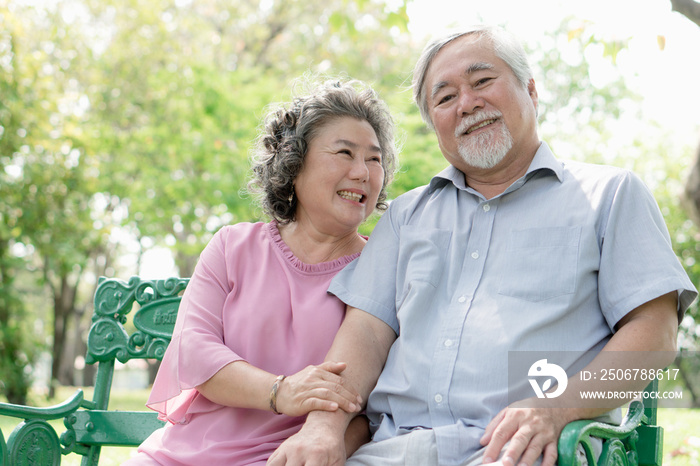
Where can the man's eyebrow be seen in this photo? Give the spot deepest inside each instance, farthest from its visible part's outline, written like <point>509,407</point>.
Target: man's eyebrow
<point>479,66</point>
<point>473,68</point>
<point>437,87</point>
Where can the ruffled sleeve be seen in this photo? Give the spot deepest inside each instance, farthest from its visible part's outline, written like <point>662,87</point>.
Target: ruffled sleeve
<point>197,350</point>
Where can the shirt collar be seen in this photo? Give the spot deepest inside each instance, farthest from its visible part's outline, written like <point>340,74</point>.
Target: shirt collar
<point>544,160</point>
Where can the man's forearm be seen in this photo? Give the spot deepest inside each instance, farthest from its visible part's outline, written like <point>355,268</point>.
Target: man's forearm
<point>357,434</point>
<point>645,340</point>
<point>363,343</point>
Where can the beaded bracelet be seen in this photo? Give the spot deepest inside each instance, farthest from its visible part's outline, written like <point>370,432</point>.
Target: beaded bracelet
<point>273,393</point>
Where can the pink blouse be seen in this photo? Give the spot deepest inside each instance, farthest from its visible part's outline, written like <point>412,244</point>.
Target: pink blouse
<point>249,299</point>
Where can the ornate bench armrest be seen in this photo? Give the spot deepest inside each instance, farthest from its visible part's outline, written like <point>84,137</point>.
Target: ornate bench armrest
<point>617,440</point>
<point>47,413</point>
<point>34,441</point>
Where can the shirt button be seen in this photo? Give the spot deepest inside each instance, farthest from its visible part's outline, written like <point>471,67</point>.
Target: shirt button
<point>486,207</point>
<point>462,299</point>
<point>475,255</point>
<point>438,398</point>
<point>448,343</point>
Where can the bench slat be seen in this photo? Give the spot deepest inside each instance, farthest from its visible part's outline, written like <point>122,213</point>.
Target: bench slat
<point>114,428</point>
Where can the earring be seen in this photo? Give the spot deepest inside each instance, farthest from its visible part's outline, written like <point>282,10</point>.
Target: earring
<point>290,198</point>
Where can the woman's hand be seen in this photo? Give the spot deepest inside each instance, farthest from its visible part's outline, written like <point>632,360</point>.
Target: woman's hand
<point>317,388</point>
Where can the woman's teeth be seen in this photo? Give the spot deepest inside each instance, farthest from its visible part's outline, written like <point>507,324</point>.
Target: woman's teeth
<point>350,196</point>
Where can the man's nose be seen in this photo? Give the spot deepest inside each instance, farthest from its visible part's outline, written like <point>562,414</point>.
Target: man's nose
<point>469,102</point>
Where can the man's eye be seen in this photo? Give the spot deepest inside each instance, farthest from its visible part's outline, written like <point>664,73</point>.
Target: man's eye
<point>446,98</point>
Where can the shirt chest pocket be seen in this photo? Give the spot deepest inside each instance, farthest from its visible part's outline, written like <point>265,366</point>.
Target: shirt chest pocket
<point>541,263</point>
<point>422,255</point>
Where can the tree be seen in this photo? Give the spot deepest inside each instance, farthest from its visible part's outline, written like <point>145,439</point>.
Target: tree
<point>691,10</point>
<point>52,183</point>
<point>691,197</point>
<point>125,119</point>
<point>16,347</point>
<point>187,87</point>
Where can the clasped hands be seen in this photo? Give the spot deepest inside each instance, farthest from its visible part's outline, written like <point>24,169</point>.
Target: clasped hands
<point>317,388</point>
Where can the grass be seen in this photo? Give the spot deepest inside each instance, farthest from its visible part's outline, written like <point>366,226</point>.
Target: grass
<point>681,428</point>
<point>681,436</point>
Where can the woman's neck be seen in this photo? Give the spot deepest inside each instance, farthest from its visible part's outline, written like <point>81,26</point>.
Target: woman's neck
<point>312,246</point>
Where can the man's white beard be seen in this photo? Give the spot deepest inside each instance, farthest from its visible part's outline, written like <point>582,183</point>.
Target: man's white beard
<point>487,148</point>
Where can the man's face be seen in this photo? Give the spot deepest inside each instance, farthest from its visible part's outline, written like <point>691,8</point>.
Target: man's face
<point>483,116</point>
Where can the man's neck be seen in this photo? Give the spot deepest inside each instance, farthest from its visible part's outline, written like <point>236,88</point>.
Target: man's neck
<point>493,182</point>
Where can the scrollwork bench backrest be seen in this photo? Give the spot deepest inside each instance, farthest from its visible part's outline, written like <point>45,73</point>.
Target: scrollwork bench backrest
<point>153,305</point>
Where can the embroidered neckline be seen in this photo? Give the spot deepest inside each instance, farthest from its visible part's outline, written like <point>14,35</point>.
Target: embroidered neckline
<point>320,268</point>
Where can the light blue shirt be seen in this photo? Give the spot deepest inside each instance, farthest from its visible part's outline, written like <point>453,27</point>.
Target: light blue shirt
<point>552,264</point>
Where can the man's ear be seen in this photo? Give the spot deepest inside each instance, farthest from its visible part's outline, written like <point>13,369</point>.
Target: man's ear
<point>532,92</point>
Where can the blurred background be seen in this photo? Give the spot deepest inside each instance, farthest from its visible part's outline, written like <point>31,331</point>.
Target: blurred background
<point>125,129</point>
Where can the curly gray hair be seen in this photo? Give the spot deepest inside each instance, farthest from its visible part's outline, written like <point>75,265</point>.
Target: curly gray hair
<point>278,156</point>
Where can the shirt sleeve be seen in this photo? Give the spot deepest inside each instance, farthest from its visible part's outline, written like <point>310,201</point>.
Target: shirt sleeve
<point>369,283</point>
<point>197,350</point>
<point>637,261</point>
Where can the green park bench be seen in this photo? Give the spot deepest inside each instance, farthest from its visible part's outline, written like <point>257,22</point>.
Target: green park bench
<point>90,425</point>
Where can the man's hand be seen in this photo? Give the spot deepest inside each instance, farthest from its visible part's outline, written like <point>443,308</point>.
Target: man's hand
<point>532,432</point>
<point>316,444</point>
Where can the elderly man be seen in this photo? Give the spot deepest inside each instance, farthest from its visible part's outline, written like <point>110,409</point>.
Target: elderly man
<point>507,251</point>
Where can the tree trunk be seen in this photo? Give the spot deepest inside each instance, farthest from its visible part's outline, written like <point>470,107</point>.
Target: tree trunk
<point>688,8</point>
<point>691,196</point>
<point>64,306</point>
<point>687,375</point>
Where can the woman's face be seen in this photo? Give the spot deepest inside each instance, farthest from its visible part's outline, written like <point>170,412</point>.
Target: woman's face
<point>338,186</point>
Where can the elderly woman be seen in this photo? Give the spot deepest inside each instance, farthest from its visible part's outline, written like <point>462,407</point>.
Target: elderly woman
<point>245,363</point>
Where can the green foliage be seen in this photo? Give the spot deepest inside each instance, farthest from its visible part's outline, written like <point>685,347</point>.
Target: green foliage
<point>174,123</point>
<point>421,158</point>
<point>579,116</point>
<point>15,349</point>
<point>126,122</point>
<point>15,380</point>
